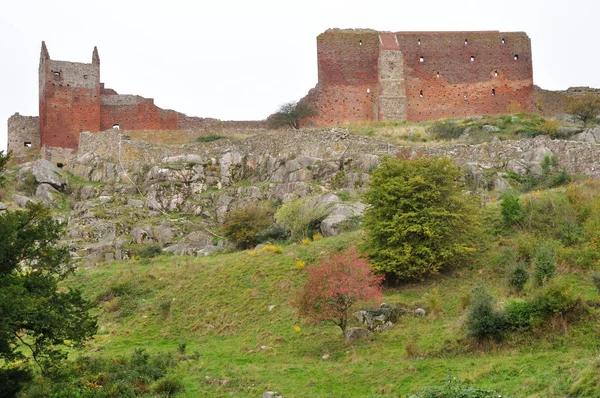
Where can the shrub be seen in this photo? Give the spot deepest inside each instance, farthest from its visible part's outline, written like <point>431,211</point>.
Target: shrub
<point>150,251</point>
<point>557,179</point>
<point>447,129</point>
<point>483,320</point>
<point>555,300</point>
<point>518,314</point>
<point>210,138</point>
<point>168,387</point>
<point>549,127</point>
<point>27,185</point>
<point>300,216</point>
<point>545,263</point>
<point>503,260</point>
<point>455,388</point>
<point>335,286</point>
<point>511,209</point>
<point>418,221</point>
<point>596,280</point>
<point>122,376</point>
<point>519,276</point>
<point>434,302</point>
<point>246,225</point>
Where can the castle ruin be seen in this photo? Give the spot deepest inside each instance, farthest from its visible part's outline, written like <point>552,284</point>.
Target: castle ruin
<point>366,75</point>
<point>72,100</point>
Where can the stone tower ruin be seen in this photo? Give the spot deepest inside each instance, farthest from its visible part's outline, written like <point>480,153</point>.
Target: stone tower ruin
<point>69,99</point>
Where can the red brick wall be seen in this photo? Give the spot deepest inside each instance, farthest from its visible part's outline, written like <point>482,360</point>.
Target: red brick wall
<point>446,53</point>
<point>142,116</point>
<point>66,107</point>
<point>347,62</point>
<point>347,69</point>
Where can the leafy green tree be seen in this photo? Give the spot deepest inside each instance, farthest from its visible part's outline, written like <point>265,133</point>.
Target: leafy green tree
<point>419,221</point>
<point>291,114</point>
<point>37,316</point>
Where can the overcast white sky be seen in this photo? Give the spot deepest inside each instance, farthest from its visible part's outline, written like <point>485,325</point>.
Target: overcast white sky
<point>238,60</point>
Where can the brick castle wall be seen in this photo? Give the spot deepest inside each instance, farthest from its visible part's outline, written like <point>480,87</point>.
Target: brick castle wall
<point>368,75</point>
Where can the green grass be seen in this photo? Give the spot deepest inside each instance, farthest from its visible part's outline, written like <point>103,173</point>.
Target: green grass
<point>218,306</point>
<point>511,127</point>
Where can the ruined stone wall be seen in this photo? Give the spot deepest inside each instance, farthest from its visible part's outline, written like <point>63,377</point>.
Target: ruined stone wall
<point>347,76</point>
<point>136,113</point>
<point>518,156</point>
<point>455,74</point>
<point>24,136</point>
<point>69,101</point>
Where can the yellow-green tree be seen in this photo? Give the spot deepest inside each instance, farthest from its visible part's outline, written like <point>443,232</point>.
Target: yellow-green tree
<point>419,221</point>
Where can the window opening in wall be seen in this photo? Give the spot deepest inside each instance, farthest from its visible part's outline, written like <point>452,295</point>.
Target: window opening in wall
<point>419,42</point>
<point>503,41</point>
<point>493,92</point>
<point>516,57</point>
<point>496,74</point>
<point>60,165</point>
<point>466,42</point>
<point>472,58</point>
<point>438,75</point>
<point>360,42</point>
<point>421,59</point>
<point>85,77</point>
<point>421,93</point>
<point>368,91</point>
<point>116,126</point>
<point>56,74</point>
<point>27,144</point>
<point>465,97</point>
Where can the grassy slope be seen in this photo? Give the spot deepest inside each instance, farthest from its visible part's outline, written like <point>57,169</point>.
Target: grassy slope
<point>219,305</point>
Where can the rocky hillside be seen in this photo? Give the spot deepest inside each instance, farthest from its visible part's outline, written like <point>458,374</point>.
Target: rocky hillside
<point>119,194</point>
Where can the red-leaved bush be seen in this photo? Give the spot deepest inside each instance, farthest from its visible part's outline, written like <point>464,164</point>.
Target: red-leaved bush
<point>335,286</point>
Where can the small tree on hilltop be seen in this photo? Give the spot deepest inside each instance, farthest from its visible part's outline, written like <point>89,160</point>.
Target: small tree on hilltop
<point>290,114</point>
<point>585,108</point>
<point>419,220</point>
<point>335,286</point>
